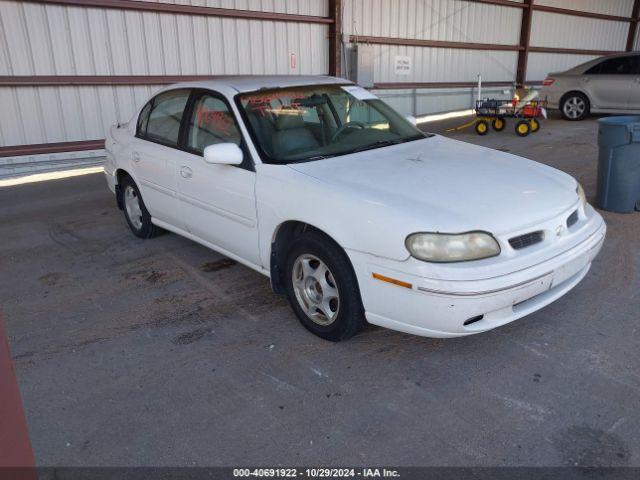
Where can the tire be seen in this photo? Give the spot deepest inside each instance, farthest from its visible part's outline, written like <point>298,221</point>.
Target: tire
<point>498,124</point>
<point>482,127</point>
<point>574,106</point>
<point>523,128</point>
<point>338,293</point>
<point>535,125</point>
<point>138,219</point>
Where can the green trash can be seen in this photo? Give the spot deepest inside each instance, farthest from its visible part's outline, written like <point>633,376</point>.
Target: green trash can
<point>619,164</point>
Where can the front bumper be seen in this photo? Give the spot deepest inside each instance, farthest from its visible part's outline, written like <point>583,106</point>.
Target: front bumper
<point>426,309</point>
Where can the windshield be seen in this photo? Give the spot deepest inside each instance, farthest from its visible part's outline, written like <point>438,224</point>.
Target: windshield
<point>310,123</point>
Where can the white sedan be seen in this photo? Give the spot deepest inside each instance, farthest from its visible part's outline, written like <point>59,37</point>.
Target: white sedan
<point>349,209</point>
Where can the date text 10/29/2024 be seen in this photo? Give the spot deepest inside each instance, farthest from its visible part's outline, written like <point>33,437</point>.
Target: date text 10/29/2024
<point>315,473</point>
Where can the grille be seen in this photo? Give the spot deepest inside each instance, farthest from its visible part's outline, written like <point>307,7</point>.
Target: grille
<point>573,218</point>
<point>526,240</point>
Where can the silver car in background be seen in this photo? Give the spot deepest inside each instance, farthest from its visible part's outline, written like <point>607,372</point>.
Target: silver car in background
<point>608,84</point>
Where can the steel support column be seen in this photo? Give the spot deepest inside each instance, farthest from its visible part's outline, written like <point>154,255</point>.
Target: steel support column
<point>525,37</point>
<point>335,38</point>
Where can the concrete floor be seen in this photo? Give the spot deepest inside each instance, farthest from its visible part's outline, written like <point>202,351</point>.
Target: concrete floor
<point>161,352</point>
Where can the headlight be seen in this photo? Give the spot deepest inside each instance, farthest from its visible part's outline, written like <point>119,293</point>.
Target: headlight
<point>443,247</point>
<point>583,197</point>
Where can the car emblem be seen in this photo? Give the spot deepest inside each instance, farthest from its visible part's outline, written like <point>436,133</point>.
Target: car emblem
<point>560,230</point>
<point>417,158</point>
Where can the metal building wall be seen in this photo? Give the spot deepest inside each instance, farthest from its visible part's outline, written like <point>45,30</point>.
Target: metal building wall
<point>608,7</point>
<point>45,39</point>
<point>451,20</point>
<point>551,29</point>
<point>301,7</point>
<point>440,20</point>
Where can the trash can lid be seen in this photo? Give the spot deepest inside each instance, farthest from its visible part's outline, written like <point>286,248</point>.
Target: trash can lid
<point>620,120</point>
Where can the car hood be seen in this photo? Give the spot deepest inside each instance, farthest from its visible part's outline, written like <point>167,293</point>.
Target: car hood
<point>443,185</point>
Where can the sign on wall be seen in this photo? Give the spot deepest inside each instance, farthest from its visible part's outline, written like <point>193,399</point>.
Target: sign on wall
<point>402,65</point>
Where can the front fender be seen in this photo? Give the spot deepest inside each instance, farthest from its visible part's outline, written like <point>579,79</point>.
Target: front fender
<point>286,195</point>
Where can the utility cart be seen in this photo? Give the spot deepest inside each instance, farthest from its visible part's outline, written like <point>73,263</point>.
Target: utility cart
<point>527,113</point>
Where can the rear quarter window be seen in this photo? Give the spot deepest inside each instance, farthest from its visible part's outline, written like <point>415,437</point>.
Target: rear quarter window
<point>161,122</point>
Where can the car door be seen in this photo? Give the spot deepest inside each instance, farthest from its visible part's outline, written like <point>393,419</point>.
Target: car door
<point>609,83</point>
<point>153,153</point>
<point>634,92</point>
<point>218,201</point>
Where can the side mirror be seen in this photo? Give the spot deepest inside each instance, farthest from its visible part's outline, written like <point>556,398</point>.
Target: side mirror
<point>223,154</point>
<point>412,120</point>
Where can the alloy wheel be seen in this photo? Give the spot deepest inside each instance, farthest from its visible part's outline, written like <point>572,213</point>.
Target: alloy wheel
<point>132,206</point>
<point>315,289</point>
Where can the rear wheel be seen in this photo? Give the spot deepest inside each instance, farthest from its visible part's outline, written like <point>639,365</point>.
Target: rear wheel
<point>535,125</point>
<point>135,212</point>
<point>323,289</point>
<point>482,127</point>
<point>499,124</point>
<point>574,106</point>
<point>523,128</point>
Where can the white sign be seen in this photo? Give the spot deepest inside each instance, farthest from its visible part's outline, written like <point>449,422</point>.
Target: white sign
<point>402,65</point>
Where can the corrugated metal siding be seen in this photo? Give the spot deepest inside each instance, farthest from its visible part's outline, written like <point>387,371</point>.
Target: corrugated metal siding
<point>59,114</point>
<point>61,40</point>
<point>37,39</point>
<point>608,7</point>
<point>446,20</point>
<point>450,20</point>
<point>540,64</point>
<point>557,30</point>
<point>444,64</point>
<point>298,7</point>
<point>636,45</point>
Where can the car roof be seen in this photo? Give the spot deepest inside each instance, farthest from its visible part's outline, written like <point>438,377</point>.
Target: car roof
<point>250,83</point>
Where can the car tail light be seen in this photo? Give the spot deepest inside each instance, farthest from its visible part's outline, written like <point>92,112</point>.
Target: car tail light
<point>548,81</point>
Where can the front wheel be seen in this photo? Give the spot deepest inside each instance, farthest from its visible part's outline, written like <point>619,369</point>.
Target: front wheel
<point>323,289</point>
<point>523,128</point>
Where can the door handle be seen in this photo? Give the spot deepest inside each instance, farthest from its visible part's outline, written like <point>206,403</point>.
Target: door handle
<point>135,156</point>
<point>186,172</point>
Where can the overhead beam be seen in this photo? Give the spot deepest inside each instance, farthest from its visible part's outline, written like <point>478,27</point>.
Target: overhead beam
<point>335,38</point>
<point>503,3</point>
<point>633,26</point>
<point>414,42</point>
<point>580,13</point>
<point>573,51</point>
<point>525,42</point>
<point>160,7</point>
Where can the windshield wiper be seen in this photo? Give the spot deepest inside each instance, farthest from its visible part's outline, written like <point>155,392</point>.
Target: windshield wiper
<point>310,159</point>
<point>378,144</point>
